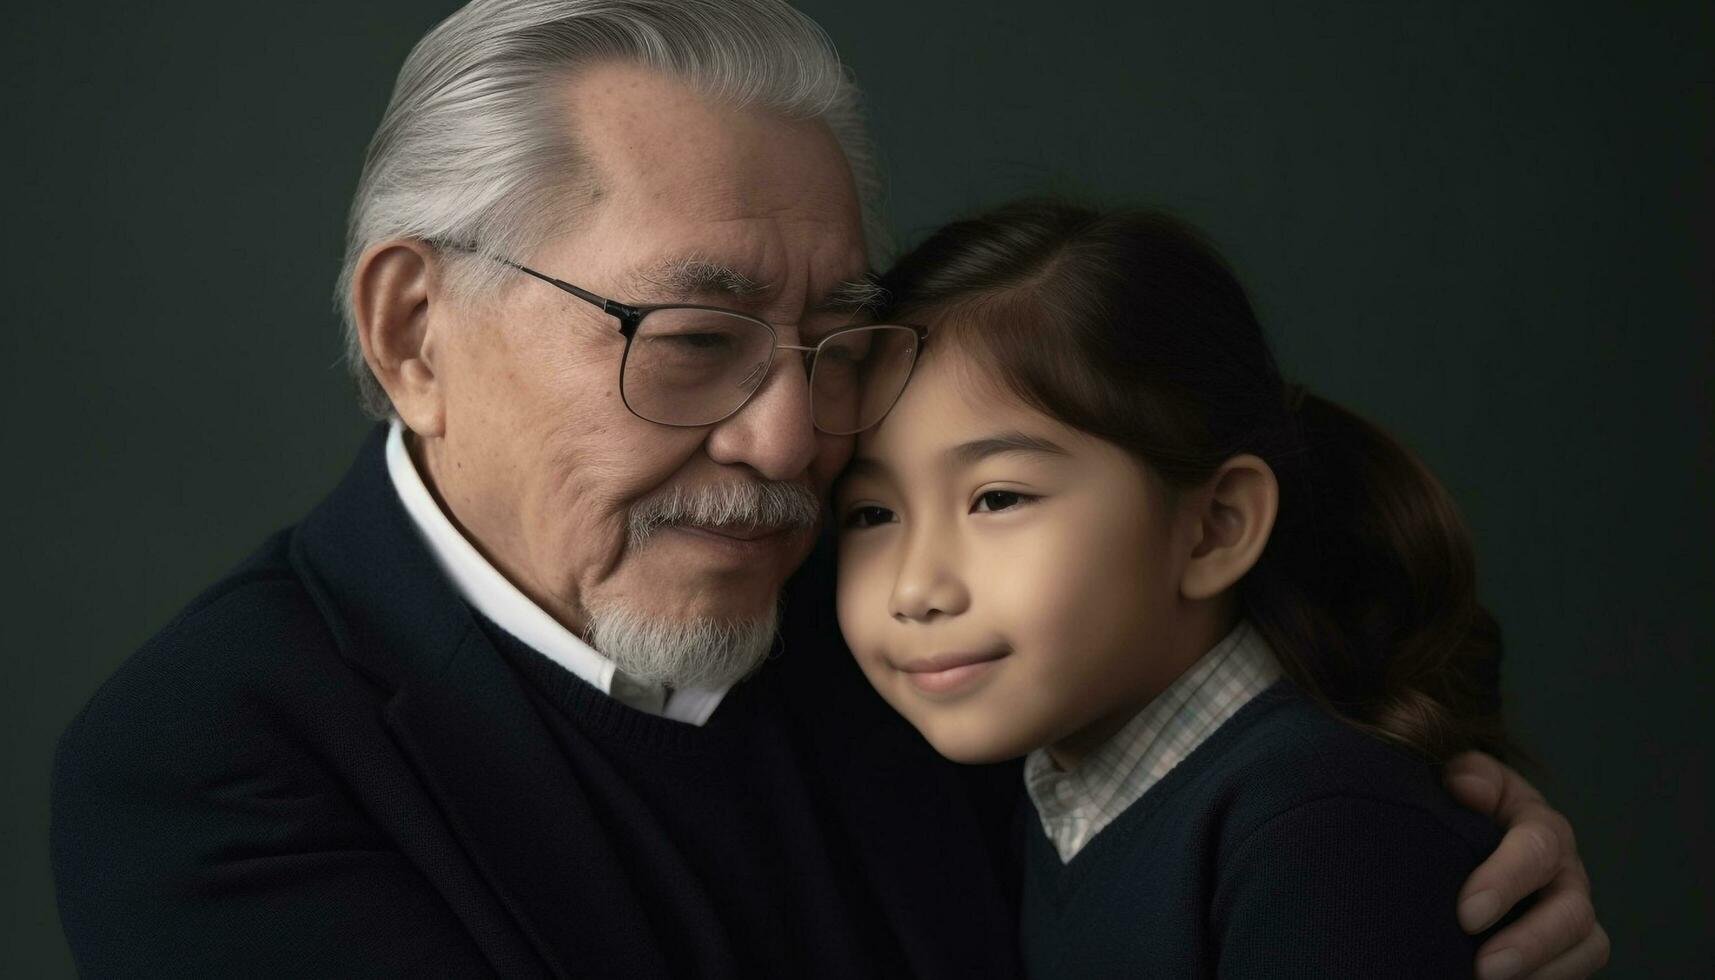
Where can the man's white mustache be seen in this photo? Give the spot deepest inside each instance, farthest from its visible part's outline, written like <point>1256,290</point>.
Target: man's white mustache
<point>750,504</point>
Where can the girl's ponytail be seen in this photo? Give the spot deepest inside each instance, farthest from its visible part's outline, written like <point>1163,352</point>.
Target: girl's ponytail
<point>1367,589</point>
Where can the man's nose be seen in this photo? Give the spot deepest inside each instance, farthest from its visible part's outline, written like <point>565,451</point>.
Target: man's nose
<point>774,433</point>
<point>927,585</point>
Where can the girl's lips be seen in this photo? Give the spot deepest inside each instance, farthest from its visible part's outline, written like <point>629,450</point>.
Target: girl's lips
<point>947,661</point>
<point>951,672</point>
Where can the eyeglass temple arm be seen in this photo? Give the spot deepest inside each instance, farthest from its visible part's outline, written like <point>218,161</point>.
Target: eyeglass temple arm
<point>608,306</point>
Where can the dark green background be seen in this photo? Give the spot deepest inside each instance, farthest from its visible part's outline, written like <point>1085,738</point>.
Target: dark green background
<point>1485,225</point>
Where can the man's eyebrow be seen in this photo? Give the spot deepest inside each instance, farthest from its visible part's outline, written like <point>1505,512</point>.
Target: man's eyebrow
<point>685,276</point>
<point>977,450</point>
<point>696,276</point>
<point>861,295</point>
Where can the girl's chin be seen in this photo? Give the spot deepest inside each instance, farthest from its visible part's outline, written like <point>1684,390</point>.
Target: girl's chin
<point>961,732</point>
<point>972,749</point>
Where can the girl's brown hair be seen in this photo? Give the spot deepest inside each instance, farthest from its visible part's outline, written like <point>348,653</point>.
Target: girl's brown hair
<point>1129,326</point>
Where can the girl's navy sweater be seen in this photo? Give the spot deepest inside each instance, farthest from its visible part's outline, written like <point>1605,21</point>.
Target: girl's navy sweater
<point>1289,844</point>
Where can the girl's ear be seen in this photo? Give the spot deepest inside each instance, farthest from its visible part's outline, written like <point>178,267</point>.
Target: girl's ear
<point>1235,514</point>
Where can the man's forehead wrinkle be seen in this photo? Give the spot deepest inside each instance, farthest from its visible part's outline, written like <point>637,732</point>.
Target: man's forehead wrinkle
<point>732,223</point>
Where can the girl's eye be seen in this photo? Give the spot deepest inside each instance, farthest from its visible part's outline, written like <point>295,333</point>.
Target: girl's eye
<point>862,517</point>
<point>995,500</point>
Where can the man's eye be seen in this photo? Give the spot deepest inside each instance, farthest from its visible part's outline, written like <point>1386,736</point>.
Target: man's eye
<point>700,342</point>
<point>862,517</point>
<point>1000,500</point>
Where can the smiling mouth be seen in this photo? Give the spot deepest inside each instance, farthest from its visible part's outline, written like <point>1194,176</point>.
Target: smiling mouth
<point>737,532</point>
<point>751,541</point>
<point>950,673</point>
<point>948,661</point>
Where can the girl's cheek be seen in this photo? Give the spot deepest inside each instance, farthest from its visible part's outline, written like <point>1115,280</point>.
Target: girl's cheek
<point>860,598</point>
<point>1036,580</point>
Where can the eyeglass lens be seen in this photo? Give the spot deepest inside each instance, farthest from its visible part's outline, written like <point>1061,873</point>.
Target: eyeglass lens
<point>858,375</point>
<point>694,367</point>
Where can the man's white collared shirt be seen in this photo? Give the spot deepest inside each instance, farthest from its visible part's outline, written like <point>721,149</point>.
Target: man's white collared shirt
<point>490,593</point>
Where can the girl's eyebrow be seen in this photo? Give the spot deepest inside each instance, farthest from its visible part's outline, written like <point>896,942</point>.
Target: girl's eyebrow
<point>977,450</point>
<point>862,467</point>
<point>968,453</point>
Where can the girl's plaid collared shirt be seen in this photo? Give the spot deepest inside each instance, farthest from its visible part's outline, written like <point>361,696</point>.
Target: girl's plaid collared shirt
<point>1074,806</point>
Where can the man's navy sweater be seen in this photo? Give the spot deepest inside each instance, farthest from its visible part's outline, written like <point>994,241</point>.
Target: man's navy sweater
<point>727,831</point>
<point>1287,845</point>
<point>327,767</point>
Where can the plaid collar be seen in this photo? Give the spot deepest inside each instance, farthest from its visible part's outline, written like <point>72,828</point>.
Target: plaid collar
<point>1075,806</point>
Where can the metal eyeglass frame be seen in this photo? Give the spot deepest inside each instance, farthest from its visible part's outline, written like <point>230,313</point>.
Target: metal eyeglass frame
<point>630,317</point>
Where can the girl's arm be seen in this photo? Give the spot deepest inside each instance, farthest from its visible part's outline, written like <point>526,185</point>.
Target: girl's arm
<point>1559,936</point>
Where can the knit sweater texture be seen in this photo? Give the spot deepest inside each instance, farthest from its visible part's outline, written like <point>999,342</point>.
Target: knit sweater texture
<point>1289,844</point>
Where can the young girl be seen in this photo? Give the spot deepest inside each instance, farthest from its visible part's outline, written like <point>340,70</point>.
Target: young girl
<point>1233,627</point>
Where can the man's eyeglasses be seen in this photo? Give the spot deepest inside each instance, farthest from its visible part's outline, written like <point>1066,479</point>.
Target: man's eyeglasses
<point>691,366</point>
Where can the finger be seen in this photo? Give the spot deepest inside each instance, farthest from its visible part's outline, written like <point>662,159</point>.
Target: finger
<point>1536,848</point>
<point>1493,787</point>
<point>1560,923</point>
<point>1580,961</point>
<point>1476,781</point>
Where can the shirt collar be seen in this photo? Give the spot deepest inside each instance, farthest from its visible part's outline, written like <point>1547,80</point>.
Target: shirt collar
<point>1076,805</point>
<point>490,593</point>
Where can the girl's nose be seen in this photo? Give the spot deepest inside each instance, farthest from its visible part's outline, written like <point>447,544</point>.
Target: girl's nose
<point>927,585</point>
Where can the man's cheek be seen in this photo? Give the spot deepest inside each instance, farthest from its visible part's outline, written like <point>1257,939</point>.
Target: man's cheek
<point>832,454</point>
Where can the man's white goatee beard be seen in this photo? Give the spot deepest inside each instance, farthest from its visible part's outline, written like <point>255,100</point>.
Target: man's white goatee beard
<point>681,654</point>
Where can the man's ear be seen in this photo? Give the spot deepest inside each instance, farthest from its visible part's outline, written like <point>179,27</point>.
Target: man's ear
<point>1234,516</point>
<point>393,288</point>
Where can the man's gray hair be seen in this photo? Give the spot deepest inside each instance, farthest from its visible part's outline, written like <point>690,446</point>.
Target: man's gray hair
<point>473,146</point>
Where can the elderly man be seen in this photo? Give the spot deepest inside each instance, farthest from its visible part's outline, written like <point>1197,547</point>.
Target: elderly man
<point>481,712</point>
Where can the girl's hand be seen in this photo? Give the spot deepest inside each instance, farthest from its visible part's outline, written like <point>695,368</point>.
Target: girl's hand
<point>1559,938</point>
